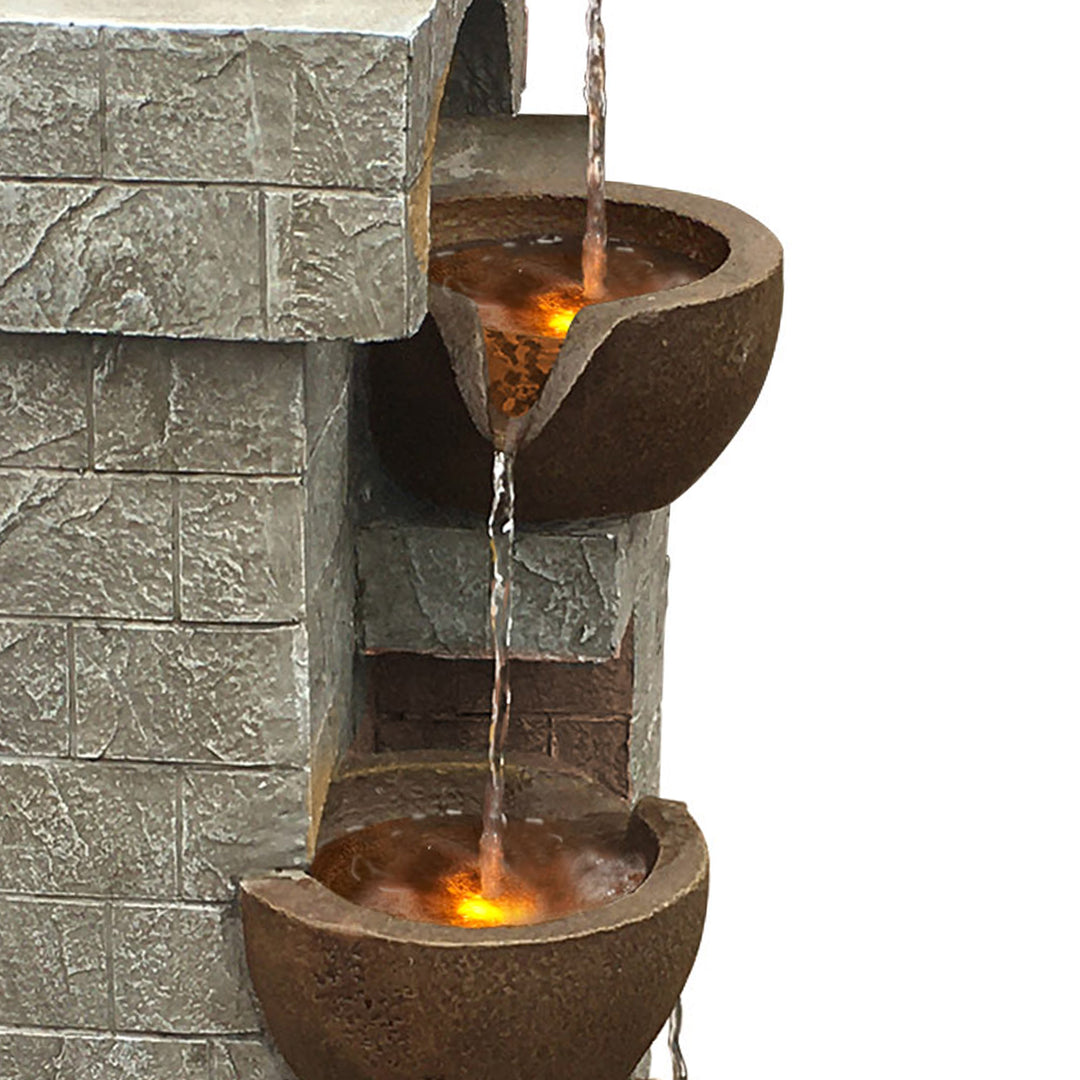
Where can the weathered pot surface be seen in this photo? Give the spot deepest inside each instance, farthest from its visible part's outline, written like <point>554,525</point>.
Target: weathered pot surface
<point>647,390</point>
<point>354,994</point>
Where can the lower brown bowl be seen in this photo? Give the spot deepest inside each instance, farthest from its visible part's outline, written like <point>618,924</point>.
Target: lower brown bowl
<point>354,994</point>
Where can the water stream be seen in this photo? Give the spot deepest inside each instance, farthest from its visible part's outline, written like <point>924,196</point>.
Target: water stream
<point>594,247</point>
<point>501,542</point>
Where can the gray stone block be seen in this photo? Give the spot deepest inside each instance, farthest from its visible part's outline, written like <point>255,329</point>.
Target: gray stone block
<point>327,375</point>
<point>425,588</point>
<point>100,1057</point>
<point>331,629</point>
<point>29,1057</point>
<point>180,970</point>
<point>33,689</point>
<point>326,490</point>
<point>88,829</point>
<point>191,695</point>
<point>235,822</point>
<point>336,265</point>
<point>110,258</point>
<point>85,545</point>
<point>199,406</point>
<point>49,109</point>
<point>302,109</point>
<point>247,1059</point>
<point>44,401</point>
<point>55,969</point>
<point>241,550</point>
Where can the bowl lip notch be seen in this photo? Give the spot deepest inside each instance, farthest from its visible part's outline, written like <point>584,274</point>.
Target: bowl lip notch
<point>754,255</point>
<point>679,869</point>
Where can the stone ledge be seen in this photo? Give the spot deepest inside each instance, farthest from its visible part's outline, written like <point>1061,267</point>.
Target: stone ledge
<point>425,588</point>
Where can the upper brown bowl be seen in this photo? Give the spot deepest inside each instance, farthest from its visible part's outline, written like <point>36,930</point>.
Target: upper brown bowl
<point>647,390</point>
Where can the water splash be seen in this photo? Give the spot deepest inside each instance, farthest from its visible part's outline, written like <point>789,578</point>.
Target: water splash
<point>501,543</point>
<point>594,247</point>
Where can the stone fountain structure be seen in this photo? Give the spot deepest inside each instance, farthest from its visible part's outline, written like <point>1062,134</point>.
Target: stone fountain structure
<point>213,597</point>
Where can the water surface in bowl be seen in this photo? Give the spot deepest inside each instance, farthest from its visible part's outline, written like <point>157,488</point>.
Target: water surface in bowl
<point>426,869</point>
<point>529,290</point>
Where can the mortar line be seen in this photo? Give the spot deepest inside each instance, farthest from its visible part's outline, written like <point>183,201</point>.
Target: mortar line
<point>176,566</point>
<point>264,261</point>
<point>97,1033</point>
<point>114,622</point>
<point>72,699</point>
<point>110,967</point>
<point>119,763</point>
<point>103,104</point>
<point>179,830</point>
<point>129,184</point>
<point>91,417</point>
<point>138,902</point>
<point>201,474</point>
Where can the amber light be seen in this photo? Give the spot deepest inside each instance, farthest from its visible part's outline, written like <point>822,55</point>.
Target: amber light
<point>556,310</point>
<point>465,905</point>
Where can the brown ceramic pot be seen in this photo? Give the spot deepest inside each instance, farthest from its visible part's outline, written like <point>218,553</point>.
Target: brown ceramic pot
<point>353,994</point>
<point>647,390</point>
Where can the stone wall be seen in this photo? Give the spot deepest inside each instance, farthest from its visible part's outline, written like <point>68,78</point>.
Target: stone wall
<point>177,593</point>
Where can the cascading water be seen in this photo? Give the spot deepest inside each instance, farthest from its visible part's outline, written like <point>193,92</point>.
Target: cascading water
<point>501,541</point>
<point>594,247</point>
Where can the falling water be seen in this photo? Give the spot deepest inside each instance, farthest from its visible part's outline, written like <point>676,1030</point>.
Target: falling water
<point>501,541</point>
<point>678,1062</point>
<point>594,247</point>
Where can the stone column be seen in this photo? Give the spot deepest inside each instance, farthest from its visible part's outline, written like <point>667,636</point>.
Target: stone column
<point>200,212</point>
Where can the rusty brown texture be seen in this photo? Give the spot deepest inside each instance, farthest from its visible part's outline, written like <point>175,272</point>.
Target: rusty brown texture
<point>647,392</point>
<point>351,994</point>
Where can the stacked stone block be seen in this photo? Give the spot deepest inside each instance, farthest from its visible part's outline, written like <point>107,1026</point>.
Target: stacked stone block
<point>176,661</point>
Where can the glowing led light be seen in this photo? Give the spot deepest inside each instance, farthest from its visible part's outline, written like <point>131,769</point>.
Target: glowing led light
<point>467,906</point>
<point>557,310</point>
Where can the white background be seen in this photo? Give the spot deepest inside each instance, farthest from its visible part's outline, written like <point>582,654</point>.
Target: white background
<point>871,702</point>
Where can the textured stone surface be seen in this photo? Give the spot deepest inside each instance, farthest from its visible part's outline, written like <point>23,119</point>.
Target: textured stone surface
<point>650,610</point>
<point>239,821</point>
<point>43,401</point>
<point>180,970</point>
<point>55,971</point>
<point>104,1057</point>
<point>199,406</point>
<point>85,545</point>
<point>327,371</point>
<point>426,591</point>
<point>77,827</point>
<point>336,265</point>
<point>247,1059</point>
<point>183,261</point>
<point>326,490</point>
<point>49,101</point>
<point>33,689</point>
<point>331,629</point>
<point>292,109</point>
<point>191,695</point>
<point>241,550</point>
<point>597,745</point>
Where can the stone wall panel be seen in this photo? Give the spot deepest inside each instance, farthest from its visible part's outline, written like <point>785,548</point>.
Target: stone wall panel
<point>178,694</point>
<point>87,829</point>
<point>85,545</point>
<point>104,1057</point>
<point>55,969</point>
<point>336,265</point>
<point>111,258</point>
<point>49,107</point>
<point>43,401</point>
<point>33,689</point>
<point>235,822</point>
<point>241,550</point>
<point>180,970</point>
<point>200,406</point>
